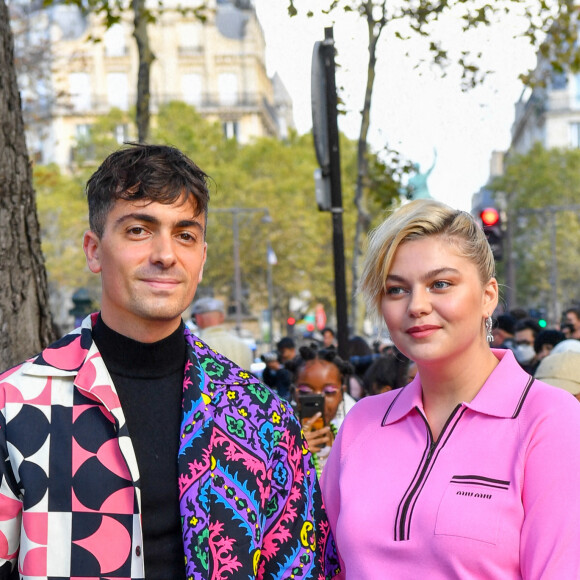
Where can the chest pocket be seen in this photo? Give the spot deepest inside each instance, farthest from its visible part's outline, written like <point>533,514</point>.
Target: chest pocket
<point>471,507</point>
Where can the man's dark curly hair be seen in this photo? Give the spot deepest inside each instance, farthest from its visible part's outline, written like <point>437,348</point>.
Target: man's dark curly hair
<point>153,173</point>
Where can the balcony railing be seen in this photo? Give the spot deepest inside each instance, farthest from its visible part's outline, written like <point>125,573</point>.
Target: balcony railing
<point>205,103</point>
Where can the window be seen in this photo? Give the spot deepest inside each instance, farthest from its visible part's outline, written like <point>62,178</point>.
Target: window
<point>189,38</point>
<point>231,129</point>
<point>121,134</point>
<point>114,41</point>
<point>228,88</point>
<point>82,131</point>
<point>576,89</point>
<point>574,130</point>
<point>191,89</point>
<point>118,90</point>
<point>80,91</point>
<point>83,148</point>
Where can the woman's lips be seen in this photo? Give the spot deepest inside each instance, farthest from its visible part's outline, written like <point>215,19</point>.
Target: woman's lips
<point>422,331</point>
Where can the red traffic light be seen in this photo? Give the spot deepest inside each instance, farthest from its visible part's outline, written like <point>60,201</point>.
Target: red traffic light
<point>489,216</point>
<point>291,321</point>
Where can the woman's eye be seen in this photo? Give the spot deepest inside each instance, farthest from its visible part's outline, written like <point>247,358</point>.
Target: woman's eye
<point>394,290</point>
<point>441,285</point>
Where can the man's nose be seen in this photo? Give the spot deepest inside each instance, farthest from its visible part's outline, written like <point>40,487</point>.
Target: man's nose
<point>163,250</point>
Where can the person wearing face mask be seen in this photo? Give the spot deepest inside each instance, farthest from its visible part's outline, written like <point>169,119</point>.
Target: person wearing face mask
<point>525,335</point>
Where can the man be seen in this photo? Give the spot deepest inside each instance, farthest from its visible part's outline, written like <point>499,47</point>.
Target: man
<point>328,338</point>
<point>526,331</point>
<point>209,316</point>
<point>276,375</point>
<point>286,348</point>
<point>130,449</point>
<point>545,342</point>
<point>573,317</point>
<point>503,332</point>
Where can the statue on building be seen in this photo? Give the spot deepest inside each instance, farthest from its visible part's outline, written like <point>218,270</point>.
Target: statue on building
<point>417,187</point>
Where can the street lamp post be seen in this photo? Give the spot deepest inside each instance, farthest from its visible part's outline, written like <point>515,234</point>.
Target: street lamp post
<point>236,211</point>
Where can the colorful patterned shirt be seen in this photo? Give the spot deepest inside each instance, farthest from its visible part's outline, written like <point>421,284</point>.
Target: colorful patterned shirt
<point>70,497</point>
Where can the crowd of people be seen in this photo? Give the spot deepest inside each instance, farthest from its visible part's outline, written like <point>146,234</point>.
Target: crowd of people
<point>135,447</point>
<point>549,354</point>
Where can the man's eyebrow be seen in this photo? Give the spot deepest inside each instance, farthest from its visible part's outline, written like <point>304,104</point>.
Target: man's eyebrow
<point>428,275</point>
<point>149,219</point>
<point>142,217</point>
<point>189,224</point>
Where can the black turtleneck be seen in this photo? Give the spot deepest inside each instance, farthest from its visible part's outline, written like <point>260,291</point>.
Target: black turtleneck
<point>149,380</point>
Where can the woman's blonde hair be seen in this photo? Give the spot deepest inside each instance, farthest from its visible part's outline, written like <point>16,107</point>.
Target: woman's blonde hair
<point>415,220</point>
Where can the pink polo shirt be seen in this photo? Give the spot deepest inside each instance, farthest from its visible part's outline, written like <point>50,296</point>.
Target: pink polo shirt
<point>497,496</point>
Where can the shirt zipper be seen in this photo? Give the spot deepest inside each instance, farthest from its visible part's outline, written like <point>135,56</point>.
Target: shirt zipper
<point>407,504</point>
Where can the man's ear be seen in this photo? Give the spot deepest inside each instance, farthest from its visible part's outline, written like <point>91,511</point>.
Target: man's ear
<point>199,278</point>
<point>92,249</point>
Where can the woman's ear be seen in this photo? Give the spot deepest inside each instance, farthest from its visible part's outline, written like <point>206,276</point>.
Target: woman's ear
<point>490,297</point>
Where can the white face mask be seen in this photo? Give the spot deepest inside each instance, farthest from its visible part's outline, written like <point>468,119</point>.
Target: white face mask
<point>524,353</point>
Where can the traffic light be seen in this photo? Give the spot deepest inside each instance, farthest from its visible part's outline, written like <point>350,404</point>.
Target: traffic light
<point>290,323</point>
<point>491,224</point>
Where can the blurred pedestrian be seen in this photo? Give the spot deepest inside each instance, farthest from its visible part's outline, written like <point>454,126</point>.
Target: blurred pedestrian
<point>276,375</point>
<point>286,348</point>
<point>526,331</point>
<point>360,356</point>
<point>322,372</point>
<point>545,341</point>
<point>561,370</point>
<point>572,316</point>
<point>387,372</point>
<point>210,314</point>
<point>328,338</point>
<point>503,332</point>
<point>567,329</point>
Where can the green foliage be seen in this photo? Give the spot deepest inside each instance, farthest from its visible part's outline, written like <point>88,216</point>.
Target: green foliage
<point>102,139</point>
<point>63,217</point>
<point>267,173</point>
<point>551,27</point>
<point>533,185</point>
<point>111,11</point>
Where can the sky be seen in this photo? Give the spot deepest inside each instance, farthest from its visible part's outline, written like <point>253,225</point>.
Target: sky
<point>415,111</point>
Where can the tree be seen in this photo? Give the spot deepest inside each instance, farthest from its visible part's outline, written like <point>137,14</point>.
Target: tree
<point>25,317</point>
<point>409,18</point>
<point>267,173</point>
<point>542,200</point>
<point>143,14</point>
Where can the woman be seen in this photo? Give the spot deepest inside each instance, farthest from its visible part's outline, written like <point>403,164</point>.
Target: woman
<point>322,372</point>
<point>472,470</point>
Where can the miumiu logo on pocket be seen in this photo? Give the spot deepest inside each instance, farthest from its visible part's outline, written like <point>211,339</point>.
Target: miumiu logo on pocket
<point>471,506</point>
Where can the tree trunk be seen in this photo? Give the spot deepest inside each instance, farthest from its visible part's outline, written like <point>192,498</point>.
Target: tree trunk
<point>25,320</point>
<point>146,57</point>
<point>363,218</point>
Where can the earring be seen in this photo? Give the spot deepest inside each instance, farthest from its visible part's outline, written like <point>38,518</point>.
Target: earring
<point>488,327</point>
